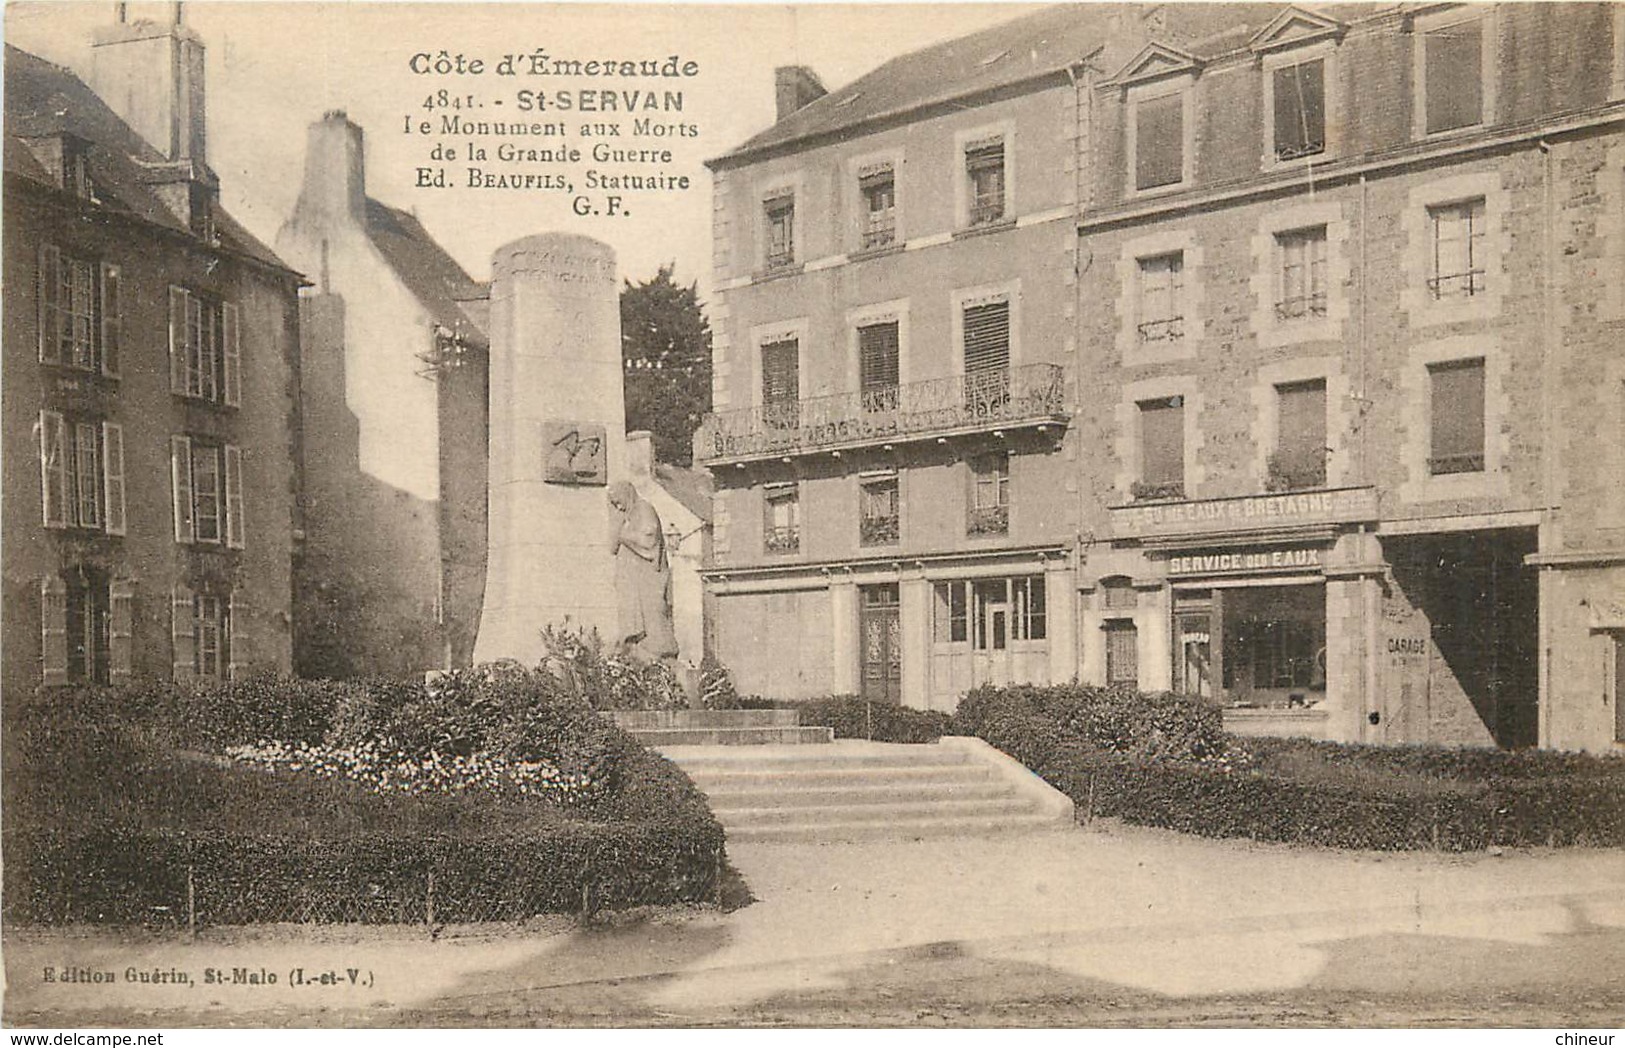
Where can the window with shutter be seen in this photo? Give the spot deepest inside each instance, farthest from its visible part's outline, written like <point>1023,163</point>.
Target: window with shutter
<point>234,635</point>
<point>1299,460</point>
<point>234,496</point>
<point>1454,76</point>
<point>180,475</point>
<point>1162,446</point>
<point>87,475</point>
<point>781,523</point>
<point>1162,298</point>
<point>231,355</point>
<point>112,317</point>
<point>984,174</point>
<point>182,637</point>
<point>781,382</point>
<point>54,472</point>
<point>120,629</point>
<point>879,191</point>
<point>878,365</point>
<point>208,636</point>
<point>1302,254</point>
<point>1300,110</point>
<point>206,501</point>
<point>990,494</point>
<point>88,626</point>
<point>53,630</point>
<point>1456,408</point>
<point>987,337</point>
<point>1122,653</point>
<point>179,348</point>
<point>1159,142</point>
<point>113,476</point>
<point>879,519</point>
<point>1458,263</point>
<point>781,231</point>
<point>49,313</point>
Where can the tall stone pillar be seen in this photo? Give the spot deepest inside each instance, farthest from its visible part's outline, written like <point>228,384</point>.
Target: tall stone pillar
<point>558,424</point>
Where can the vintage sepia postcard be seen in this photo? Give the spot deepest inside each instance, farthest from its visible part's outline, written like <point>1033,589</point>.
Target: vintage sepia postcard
<point>813,515</point>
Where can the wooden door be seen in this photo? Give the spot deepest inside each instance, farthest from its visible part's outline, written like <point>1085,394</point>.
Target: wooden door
<point>881,668</point>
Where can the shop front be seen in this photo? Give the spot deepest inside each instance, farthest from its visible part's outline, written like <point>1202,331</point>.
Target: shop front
<point>1257,604</point>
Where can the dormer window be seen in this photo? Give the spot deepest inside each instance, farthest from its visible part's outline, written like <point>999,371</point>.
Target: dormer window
<point>1299,93</point>
<point>1454,70</point>
<point>1157,90</point>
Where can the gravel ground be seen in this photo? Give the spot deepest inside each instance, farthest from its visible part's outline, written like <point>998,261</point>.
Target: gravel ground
<point>1104,926</point>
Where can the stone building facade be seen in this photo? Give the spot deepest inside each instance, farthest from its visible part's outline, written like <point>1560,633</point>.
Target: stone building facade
<point>151,373</point>
<point>396,406</point>
<point>1340,332</point>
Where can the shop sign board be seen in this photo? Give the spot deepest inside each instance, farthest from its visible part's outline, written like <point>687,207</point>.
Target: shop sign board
<point>1247,513</point>
<point>1245,561</point>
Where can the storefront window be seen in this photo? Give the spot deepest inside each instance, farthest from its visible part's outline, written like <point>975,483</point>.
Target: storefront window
<point>1274,645</point>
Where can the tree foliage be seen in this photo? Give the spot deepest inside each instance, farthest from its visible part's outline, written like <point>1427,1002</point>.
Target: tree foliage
<point>666,359</point>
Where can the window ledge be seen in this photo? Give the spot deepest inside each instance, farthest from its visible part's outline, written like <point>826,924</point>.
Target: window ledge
<point>1008,222</point>
<point>762,276</point>
<point>896,247</point>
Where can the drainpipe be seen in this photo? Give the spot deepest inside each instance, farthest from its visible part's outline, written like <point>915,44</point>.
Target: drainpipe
<point>1548,445</point>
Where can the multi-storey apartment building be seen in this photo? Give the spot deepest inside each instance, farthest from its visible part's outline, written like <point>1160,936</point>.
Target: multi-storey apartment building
<point>1357,345</point>
<point>151,358</point>
<point>1337,339</point>
<point>895,372</point>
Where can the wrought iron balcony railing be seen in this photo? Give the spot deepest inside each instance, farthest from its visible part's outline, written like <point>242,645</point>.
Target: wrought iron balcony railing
<point>1442,465</point>
<point>878,531</point>
<point>783,539</point>
<point>1457,285</point>
<point>1031,394</point>
<point>988,520</point>
<point>1296,307</point>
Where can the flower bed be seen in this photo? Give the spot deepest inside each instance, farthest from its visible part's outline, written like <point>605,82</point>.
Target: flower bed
<point>488,796</point>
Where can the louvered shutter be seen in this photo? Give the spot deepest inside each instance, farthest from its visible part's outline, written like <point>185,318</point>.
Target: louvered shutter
<point>113,476</point>
<point>53,630</point>
<point>781,378</point>
<point>987,337</point>
<point>88,478</point>
<point>1162,441</point>
<point>112,320</point>
<point>53,468</point>
<point>1300,110</point>
<point>48,298</point>
<point>1159,142</point>
<point>1458,409</point>
<point>1301,421</point>
<point>234,636</point>
<point>180,474</point>
<point>1455,76</point>
<point>120,628</point>
<point>877,353</point>
<point>234,496</point>
<point>182,633</point>
<point>231,350</point>
<point>177,339</point>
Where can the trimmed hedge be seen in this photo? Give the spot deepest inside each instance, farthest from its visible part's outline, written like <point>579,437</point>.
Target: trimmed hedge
<point>105,812</point>
<point>1581,801</point>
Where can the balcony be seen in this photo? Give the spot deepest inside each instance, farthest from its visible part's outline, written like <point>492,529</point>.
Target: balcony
<point>1031,395</point>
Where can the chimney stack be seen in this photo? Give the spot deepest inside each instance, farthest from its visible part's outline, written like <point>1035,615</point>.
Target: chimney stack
<point>794,87</point>
<point>152,75</point>
<point>335,186</point>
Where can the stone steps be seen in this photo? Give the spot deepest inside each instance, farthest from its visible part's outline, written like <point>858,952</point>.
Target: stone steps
<point>662,728</point>
<point>850,790</point>
<point>660,738</point>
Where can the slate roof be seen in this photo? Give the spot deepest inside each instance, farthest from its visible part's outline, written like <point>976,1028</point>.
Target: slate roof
<point>690,487</point>
<point>1041,44</point>
<point>43,99</point>
<point>449,294</point>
